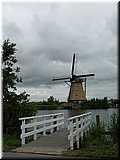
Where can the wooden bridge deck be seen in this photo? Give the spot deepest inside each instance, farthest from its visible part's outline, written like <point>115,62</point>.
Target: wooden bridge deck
<point>54,144</point>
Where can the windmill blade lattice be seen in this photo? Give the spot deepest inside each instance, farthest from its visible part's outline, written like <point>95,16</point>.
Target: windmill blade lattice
<point>73,65</point>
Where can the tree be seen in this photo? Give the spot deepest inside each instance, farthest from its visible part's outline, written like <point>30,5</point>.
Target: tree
<point>10,79</point>
<point>14,105</point>
<point>51,99</point>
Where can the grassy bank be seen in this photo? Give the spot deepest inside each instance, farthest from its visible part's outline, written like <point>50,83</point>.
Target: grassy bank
<point>106,151</point>
<point>99,143</point>
<point>10,142</point>
<point>96,146</point>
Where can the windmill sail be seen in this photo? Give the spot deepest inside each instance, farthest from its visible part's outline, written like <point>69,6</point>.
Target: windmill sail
<point>73,63</point>
<point>85,75</point>
<point>62,78</point>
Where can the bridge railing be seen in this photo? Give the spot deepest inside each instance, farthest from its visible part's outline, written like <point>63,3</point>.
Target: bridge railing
<point>40,124</point>
<point>78,125</point>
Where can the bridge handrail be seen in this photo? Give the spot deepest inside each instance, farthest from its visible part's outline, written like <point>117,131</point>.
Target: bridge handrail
<point>78,125</point>
<point>79,116</point>
<point>48,122</point>
<point>39,116</point>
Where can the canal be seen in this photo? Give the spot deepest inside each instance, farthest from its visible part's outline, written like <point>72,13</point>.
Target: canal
<point>103,113</point>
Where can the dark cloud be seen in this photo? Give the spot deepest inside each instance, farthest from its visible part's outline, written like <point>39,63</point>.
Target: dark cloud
<point>47,35</point>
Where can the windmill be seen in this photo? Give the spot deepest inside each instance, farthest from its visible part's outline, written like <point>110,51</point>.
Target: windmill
<point>76,93</point>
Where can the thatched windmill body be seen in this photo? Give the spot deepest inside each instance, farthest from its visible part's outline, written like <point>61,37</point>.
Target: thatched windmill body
<point>76,93</point>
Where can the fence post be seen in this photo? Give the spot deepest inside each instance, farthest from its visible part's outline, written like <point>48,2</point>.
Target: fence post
<point>55,122</point>
<point>52,123</point>
<point>98,123</point>
<point>71,134</point>
<point>77,135</point>
<point>63,119</point>
<point>97,119</point>
<point>82,128</point>
<point>89,118</point>
<point>88,123</point>
<point>35,128</point>
<point>23,132</point>
<point>44,132</point>
<point>85,121</point>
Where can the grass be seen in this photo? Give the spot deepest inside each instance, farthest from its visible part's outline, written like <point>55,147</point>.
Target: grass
<point>10,142</point>
<point>106,151</point>
<point>99,143</point>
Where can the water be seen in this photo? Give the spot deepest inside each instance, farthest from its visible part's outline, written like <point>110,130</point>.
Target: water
<point>103,113</point>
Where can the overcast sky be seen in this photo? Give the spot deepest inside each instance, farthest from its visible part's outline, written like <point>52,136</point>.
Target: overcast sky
<point>48,34</point>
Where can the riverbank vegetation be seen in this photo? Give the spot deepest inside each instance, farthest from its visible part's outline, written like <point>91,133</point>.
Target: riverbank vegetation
<point>94,103</point>
<point>102,141</point>
<point>50,104</point>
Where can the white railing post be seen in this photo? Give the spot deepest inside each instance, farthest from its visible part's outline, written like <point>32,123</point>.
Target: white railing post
<point>89,118</point>
<point>44,132</point>
<point>57,121</point>
<point>63,120</point>
<point>77,134</point>
<point>23,132</point>
<point>82,120</point>
<point>35,128</point>
<point>52,123</point>
<point>85,124</point>
<point>71,134</point>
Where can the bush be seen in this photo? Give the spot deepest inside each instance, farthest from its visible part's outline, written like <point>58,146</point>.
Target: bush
<point>104,133</point>
<point>113,127</point>
<point>96,131</point>
<point>10,142</point>
<point>11,115</point>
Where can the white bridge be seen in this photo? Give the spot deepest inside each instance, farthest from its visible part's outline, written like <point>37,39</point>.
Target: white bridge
<point>40,124</point>
<point>58,137</point>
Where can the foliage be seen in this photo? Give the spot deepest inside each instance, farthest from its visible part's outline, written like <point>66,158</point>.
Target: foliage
<point>14,105</point>
<point>48,107</point>
<point>113,127</point>
<point>95,104</point>
<point>10,79</point>
<point>97,131</point>
<point>113,102</point>
<point>11,115</point>
<point>10,142</point>
<point>43,105</point>
<point>52,100</point>
<point>50,104</point>
<point>103,131</point>
<point>106,151</point>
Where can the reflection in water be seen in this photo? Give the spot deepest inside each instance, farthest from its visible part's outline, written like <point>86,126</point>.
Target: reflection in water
<point>103,113</point>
